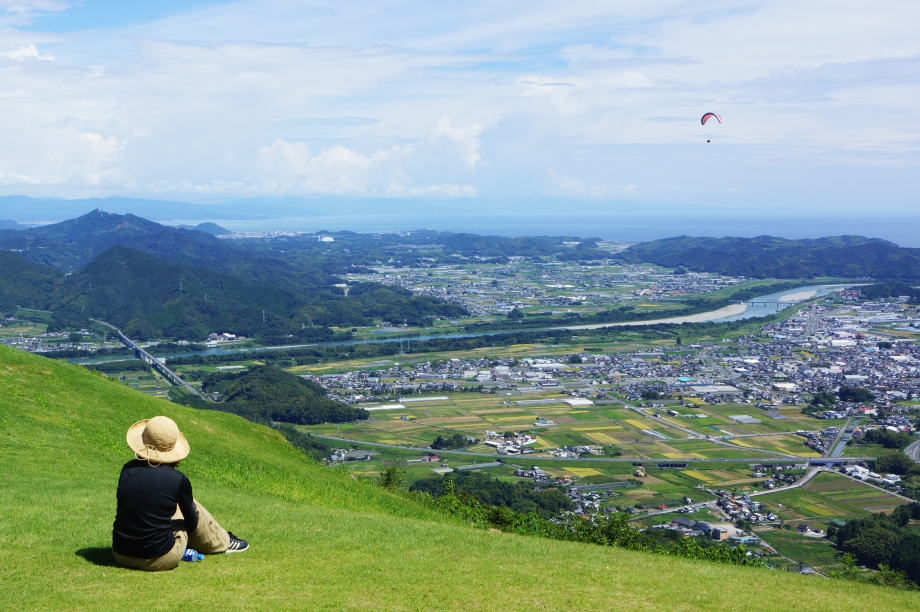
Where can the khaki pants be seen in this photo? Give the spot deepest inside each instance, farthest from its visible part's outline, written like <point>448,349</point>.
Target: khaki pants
<point>208,538</point>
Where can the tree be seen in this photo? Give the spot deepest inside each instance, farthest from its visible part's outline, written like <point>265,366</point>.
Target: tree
<point>391,477</point>
<point>873,546</point>
<point>516,314</point>
<point>75,337</point>
<point>907,557</point>
<point>576,358</point>
<point>823,398</point>
<point>854,394</point>
<point>893,463</point>
<point>679,341</point>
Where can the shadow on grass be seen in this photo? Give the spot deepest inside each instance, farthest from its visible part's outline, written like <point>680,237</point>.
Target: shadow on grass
<point>98,555</point>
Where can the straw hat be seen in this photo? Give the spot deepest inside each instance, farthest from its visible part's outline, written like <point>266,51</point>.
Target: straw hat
<point>157,440</point>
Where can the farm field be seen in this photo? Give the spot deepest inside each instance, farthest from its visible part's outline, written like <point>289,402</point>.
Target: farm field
<point>819,553</point>
<point>611,426</point>
<point>828,496</point>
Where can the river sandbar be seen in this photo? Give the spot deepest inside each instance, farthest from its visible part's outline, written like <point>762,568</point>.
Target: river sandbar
<point>727,311</point>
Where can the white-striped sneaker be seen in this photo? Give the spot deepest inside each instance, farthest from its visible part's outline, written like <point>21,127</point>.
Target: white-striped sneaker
<point>236,544</point>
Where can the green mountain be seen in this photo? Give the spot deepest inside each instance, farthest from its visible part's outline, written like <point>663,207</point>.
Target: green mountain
<point>207,228</point>
<point>770,257</point>
<point>26,284</point>
<point>149,298</point>
<point>320,539</point>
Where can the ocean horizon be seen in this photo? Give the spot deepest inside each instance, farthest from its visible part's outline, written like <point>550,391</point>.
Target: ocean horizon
<point>614,226</point>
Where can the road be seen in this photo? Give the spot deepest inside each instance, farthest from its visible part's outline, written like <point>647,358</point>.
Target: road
<point>913,450</point>
<point>690,433</point>
<point>752,459</point>
<point>492,457</point>
<point>811,473</point>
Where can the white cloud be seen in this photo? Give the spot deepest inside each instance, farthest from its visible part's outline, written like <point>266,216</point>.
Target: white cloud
<point>103,149</point>
<point>577,188</point>
<point>289,167</point>
<point>27,51</point>
<point>465,138</point>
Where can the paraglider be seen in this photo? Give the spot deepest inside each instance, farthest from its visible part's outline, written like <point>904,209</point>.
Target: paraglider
<point>709,116</point>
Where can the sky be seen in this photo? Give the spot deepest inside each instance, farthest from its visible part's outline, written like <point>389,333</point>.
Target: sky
<point>466,104</point>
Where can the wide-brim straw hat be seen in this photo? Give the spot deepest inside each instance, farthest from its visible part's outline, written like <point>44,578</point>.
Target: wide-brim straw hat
<point>157,440</point>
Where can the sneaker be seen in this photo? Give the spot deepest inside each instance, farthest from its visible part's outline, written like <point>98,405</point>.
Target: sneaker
<point>236,544</point>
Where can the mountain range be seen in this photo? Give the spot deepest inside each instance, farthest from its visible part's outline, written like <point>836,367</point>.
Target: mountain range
<point>159,281</point>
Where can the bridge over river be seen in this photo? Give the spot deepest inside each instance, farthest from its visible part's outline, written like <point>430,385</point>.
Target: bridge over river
<point>157,364</point>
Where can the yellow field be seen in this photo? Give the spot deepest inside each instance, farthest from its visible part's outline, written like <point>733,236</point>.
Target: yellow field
<point>673,421</point>
<point>695,400</point>
<point>675,455</point>
<point>495,410</point>
<point>639,424</point>
<point>804,453</point>
<point>582,472</point>
<point>602,427</point>
<point>451,420</point>
<point>819,510</point>
<point>697,475</point>
<point>742,443</point>
<point>541,443</point>
<point>600,438</point>
<point>698,455</point>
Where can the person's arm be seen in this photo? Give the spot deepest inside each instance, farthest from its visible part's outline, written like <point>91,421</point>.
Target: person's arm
<point>186,503</point>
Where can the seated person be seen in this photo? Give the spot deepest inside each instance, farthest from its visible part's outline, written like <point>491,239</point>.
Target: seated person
<point>157,517</point>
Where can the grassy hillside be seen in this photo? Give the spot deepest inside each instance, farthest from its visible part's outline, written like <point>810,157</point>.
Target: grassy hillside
<point>320,540</point>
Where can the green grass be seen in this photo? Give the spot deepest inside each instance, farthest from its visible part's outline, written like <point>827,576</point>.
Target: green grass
<point>321,540</point>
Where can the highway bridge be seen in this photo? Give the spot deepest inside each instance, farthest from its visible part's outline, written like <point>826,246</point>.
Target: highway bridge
<point>143,355</point>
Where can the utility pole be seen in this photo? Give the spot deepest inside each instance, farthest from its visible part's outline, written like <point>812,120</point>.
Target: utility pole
<point>263,316</point>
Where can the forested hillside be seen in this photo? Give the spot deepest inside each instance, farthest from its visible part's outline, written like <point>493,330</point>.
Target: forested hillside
<point>770,257</point>
<point>23,283</point>
<point>269,393</point>
<point>151,298</point>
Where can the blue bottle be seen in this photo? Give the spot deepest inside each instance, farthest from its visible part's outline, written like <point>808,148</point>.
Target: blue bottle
<point>191,554</point>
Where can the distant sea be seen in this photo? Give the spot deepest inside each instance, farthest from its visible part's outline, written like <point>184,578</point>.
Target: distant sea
<point>629,227</point>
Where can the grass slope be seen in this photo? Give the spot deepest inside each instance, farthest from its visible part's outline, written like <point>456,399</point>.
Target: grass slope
<point>320,540</point>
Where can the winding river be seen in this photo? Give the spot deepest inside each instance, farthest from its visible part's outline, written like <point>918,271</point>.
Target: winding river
<point>733,312</point>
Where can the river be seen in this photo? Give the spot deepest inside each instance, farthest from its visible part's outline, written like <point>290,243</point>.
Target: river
<point>734,312</point>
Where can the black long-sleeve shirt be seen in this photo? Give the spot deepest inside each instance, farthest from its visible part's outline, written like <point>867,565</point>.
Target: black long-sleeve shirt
<point>147,498</point>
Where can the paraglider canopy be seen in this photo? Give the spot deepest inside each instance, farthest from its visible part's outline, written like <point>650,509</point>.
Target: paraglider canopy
<point>709,116</point>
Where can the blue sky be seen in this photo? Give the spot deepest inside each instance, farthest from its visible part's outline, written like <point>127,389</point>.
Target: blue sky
<point>466,104</point>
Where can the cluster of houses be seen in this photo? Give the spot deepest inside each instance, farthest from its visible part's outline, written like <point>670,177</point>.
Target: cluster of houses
<point>516,444</point>
<point>214,339</point>
<point>743,508</point>
<point>693,528</point>
<point>47,342</point>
